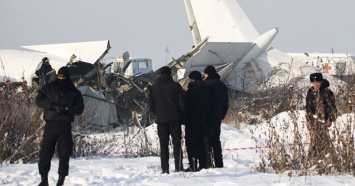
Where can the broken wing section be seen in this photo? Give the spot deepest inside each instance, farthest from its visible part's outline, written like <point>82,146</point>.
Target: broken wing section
<point>19,65</point>
<point>91,51</point>
<point>220,20</point>
<point>216,54</point>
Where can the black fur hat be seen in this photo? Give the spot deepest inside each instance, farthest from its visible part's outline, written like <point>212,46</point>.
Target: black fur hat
<point>316,77</point>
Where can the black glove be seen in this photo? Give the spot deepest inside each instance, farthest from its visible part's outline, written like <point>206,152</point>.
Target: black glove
<point>59,109</point>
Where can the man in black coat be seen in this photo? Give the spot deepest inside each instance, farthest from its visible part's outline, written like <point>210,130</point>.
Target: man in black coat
<point>219,108</point>
<point>60,101</point>
<point>321,111</point>
<point>197,108</point>
<point>167,104</point>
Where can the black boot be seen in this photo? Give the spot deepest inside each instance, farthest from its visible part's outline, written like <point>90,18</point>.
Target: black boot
<point>44,181</point>
<point>193,166</point>
<point>60,180</point>
<point>209,163</point>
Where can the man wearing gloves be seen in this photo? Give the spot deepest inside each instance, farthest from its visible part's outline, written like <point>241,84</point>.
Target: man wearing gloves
<point>60,101</point>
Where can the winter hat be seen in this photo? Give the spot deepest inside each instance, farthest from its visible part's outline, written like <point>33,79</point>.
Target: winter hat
<point>165,70</point>
<point>209,70</point>
<point>316,77</point>
<point>64,72</point>
<point>195,75</point>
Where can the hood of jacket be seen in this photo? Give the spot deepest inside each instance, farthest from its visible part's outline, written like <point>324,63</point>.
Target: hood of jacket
<point>164,79</point>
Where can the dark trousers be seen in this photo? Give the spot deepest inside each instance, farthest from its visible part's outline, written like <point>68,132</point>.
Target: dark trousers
<point>196,152</point>
<point>56,134</point>
<point>213,132</point>
<point>165,130</point>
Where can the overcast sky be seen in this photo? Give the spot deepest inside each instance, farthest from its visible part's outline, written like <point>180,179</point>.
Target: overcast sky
<point>148,28</point>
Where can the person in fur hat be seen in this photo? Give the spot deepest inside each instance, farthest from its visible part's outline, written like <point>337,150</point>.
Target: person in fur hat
<point>321,111</point>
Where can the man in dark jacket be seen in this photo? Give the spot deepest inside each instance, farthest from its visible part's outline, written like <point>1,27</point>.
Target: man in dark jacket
<point>219,108</point>
<point>60,101</point>
<point>321,111</point>
<point>197,108</point>
<point>167,104</point>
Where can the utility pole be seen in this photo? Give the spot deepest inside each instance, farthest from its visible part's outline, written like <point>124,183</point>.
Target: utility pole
<point>167,53</point>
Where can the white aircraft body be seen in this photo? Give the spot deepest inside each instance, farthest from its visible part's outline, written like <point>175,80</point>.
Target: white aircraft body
<point>19,65</point>
<point>225,38</point>
<point>329,63</point>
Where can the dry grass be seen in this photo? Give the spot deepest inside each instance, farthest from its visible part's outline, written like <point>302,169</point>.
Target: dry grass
<point>20,124</point>
<point>21,130</point>
<point>290,154</point>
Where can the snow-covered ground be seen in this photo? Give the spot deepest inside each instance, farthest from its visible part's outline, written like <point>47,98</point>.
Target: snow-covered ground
<point>241,156</point>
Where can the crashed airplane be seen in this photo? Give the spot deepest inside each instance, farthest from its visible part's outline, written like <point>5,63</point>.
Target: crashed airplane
<point>110,97</point>
<point>225,38</point>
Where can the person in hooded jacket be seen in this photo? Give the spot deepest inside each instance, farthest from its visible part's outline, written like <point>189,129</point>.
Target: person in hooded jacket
<point>46,72</point>
<point>219,108</point>
<point>321,111</point>
<point>60,101</point>
<point>167,104</point>
<point>197,108</point>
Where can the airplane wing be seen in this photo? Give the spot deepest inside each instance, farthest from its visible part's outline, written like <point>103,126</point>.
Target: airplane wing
<point>218,53</point>
<point>223,56</point>
<point>90,52</point>
<point>19,65</point>
<point>221,20</point>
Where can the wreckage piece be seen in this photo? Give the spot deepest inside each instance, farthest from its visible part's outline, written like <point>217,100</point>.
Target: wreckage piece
<point>82,73</point>
<point>137,96</point>
<point>177,66</point>
<point>128,96</point>
<point>20,65</point>
<point>99,109</point>
<point>92,51</point>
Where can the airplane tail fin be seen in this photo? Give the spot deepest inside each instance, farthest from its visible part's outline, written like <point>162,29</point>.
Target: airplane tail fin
<point>192,21</point>
<point>220,20</point>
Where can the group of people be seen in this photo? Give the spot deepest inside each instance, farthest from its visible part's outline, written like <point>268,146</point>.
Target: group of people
<point>201,109</point>
<point>204,105</point>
